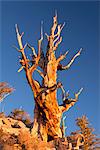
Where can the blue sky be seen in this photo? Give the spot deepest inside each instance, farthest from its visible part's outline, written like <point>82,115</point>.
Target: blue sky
<point>81,30</point>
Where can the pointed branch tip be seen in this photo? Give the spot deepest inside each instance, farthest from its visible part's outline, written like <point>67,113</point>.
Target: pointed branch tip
<point>79,92</point>
<point>63,25</point>
<point>16,27</point>
<point>22,34</point>
<point>25,45</point>
<point>55,12</point>
<point>42,30</point>
<point>81,49</point>
<point>21,68</point>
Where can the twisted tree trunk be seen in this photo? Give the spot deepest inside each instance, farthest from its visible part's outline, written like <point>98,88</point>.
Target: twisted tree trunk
<point>47,112</point>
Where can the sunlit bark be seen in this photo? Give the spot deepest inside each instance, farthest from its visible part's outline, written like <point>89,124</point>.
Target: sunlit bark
<point>47,112</point>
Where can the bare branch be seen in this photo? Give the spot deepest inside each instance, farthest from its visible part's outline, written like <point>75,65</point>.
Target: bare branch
<point>54,25</point>
<point>63,126</point>
<point>62,26</point>
<point>25,61</point>
<point>57,43</point>
<point>47,36</point>
<point>58,33</point>
<point>39,49</point>
<point>41,73</point>
<point>64,94</point>
<point>41,30</point>
<point>54,39</point>
<point>63,91</point>
<point>56,13</point>
<point>33,50</point>
<point>62,57</point>
<point>38,56</point>
<point>68,103</point>
<point>19,37</point>
<point>72,60</point>
<point>39,52</point>
<point>21,68</point>
<point>77,94</point>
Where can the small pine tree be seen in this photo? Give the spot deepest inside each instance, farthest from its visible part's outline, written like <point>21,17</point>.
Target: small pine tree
<point>90,139</point>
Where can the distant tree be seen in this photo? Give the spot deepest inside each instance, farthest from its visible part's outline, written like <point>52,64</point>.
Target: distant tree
<point>5,90</point>
<point>90,139</point>
<point>47,112</point>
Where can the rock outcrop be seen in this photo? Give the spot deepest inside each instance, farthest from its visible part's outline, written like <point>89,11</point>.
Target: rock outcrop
<point>15,135</point>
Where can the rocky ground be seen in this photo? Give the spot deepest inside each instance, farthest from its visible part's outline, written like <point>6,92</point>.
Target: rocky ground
<point>14,135</point>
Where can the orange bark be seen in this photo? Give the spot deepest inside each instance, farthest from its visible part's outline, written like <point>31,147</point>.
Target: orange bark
<point>47,112</point>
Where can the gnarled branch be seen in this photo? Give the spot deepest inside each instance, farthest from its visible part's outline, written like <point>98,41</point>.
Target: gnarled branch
<point>25,62</point>
<point>69,102</point>
<point>71,62</point>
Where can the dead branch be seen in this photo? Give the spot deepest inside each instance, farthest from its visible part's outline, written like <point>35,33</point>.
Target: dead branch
<point>57,44</point>
<point>69,102</point>
<point>33,50</point>
<point>25,62</point>
<point>54,25</point>
<point>47,36</point>
<point>38,56</point>
<point>72,60</point>
<point>77,94</point>
<point>41,30</point>
<point>19,37</point>
<point>60,27</point>
<point>65,95</point>
<point>63,126</point>
<point>21,68</point>
<point>54,39</point>
<point>41,73</point>
<point>62,57</point>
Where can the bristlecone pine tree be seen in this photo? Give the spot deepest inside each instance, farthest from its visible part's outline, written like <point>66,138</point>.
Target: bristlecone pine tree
<point>47,112</point>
